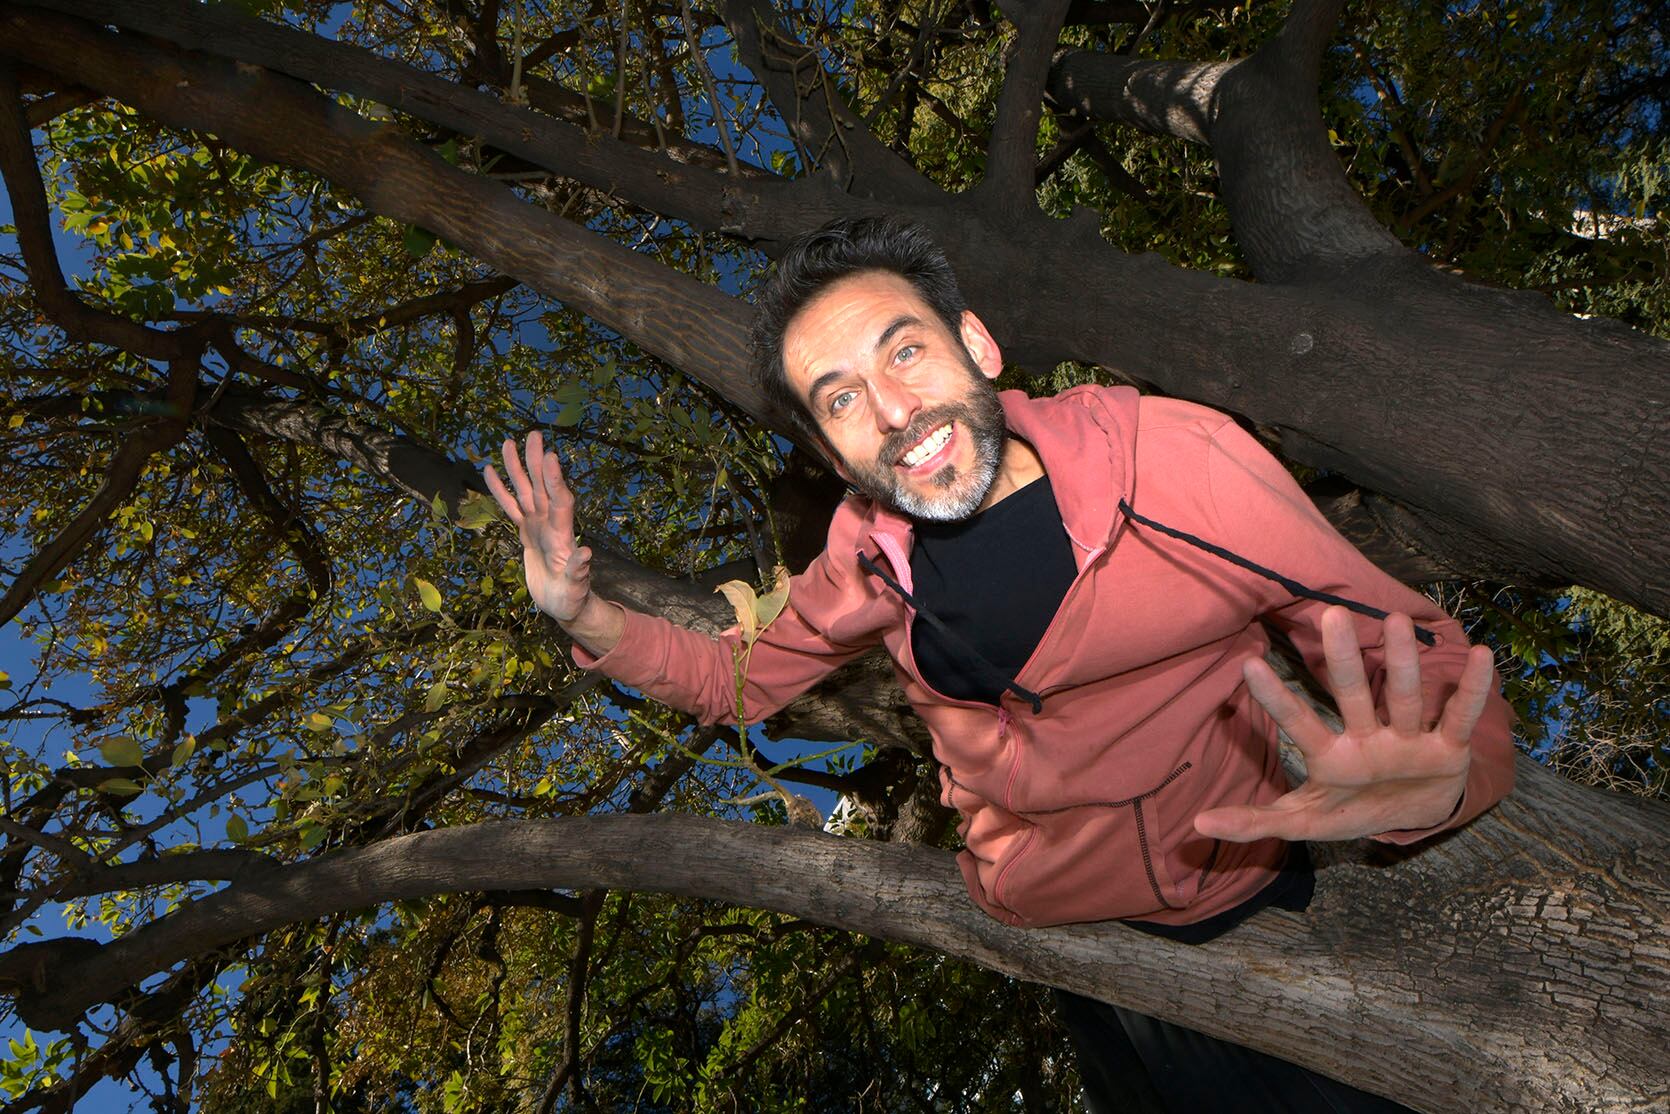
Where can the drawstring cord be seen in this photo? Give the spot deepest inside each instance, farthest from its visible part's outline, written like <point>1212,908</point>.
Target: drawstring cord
<point>992,673</point>
<point>1425,636</point>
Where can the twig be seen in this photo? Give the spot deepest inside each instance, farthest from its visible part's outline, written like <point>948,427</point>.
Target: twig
<point>700,59</point>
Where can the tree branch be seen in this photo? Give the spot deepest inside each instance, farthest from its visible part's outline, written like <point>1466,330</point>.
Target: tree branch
<point>126,469</point>
<point>679,183</point>
<point>195,866</point>
<point>676,317</point>
<point>828,132</point>
<point>79,320</point>
<point>1009,181</point>
<point>1162,98</point>
<point>1308,1006</point>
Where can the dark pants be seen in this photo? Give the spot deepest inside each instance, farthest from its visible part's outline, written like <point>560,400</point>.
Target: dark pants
<point>1130,1063</point>
<point>1133,1064</point>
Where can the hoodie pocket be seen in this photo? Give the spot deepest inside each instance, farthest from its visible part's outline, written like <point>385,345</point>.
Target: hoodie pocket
<point>1094,860</point>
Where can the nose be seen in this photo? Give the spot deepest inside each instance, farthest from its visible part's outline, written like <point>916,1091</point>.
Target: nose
<point>893,403</point>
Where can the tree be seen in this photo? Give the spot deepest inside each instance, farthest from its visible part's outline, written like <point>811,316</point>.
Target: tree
<point>334,258</point>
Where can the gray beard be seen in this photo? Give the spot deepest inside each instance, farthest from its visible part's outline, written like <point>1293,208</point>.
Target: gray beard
<point>954,495</point>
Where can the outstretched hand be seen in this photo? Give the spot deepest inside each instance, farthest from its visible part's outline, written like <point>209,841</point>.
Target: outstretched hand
<point>558,571</point>
<point>1377,775</point>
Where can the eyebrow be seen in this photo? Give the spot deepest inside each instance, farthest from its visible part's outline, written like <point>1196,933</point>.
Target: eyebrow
<point>903,321</point>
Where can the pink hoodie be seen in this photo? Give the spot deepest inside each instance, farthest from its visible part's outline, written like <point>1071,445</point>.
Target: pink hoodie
<point>1084,811</point>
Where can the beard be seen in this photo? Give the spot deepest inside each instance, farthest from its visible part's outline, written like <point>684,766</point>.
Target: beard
<point>951,494</point>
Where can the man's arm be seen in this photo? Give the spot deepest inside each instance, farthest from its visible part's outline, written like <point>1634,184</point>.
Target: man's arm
<point>676,666</point>
<point>1427,742</point>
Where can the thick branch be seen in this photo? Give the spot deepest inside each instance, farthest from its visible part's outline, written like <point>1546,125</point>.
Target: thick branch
<point>1162,98</point>
<point>1296,215</point>
<point>678,318</point>
<point>1010,157</point>
<point>676,182</point>
<point>1574,872</point>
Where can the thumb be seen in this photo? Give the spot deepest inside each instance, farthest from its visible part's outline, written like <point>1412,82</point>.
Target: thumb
<point>1243,823</point>
<point>579,565</point>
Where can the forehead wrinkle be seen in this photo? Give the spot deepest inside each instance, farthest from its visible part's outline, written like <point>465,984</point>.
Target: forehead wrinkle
<point>830,302</point>
<point>894,327</point>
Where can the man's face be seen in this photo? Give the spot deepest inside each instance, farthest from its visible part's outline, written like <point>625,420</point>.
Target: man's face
<point>907,407</point>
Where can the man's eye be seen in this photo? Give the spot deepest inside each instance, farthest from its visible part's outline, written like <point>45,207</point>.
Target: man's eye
<point>905,354</point>
<point>840,399</point>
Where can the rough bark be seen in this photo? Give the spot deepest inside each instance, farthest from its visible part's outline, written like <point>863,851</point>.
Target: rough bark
<point>1475,389</point>
<point>1523,963</point>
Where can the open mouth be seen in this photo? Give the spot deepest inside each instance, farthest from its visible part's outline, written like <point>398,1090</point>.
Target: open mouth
<point>929,447</point>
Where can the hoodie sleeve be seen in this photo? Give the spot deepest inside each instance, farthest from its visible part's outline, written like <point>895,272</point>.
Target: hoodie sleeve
<point>829,619</point>
<point>1266,518</point>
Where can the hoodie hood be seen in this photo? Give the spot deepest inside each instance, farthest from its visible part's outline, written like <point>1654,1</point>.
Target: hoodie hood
<point>1086,438</point>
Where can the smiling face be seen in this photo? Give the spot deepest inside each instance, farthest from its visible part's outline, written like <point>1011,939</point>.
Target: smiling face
<point>907,408</point>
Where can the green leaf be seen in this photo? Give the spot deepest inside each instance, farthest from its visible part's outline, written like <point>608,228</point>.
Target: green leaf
<point>119,750</point>
<point>435,697</point>
<point>418,242</point>
<point>184,751</point>
<point>430,595</point>
<point>770,605</point>
<point>122,786</point>
<point>237,829</point>
<point>476,511</point>
<point>743,601</point>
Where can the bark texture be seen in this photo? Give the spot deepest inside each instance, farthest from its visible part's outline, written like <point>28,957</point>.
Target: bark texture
<point>1474,389</point>
<point>1523,964</point>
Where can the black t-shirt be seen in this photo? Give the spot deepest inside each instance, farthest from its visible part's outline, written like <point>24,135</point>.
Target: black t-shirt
<point>996,579</point>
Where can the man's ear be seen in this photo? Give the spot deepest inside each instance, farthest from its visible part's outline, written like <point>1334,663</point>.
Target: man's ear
<point>980,345</point>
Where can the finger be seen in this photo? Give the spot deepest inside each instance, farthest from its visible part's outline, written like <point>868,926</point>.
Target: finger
<point>1291,714</point>
<point>1346,679</point>
<point>1466,704</point>
<point>536,473</point>
<point>518,477</point>
<point>1246,823</point>
<point>1403,675</point>
<point>562,499</point>
<point>496,488</point>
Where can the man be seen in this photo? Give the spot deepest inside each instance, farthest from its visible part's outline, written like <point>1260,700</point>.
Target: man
<point>1074,592</point>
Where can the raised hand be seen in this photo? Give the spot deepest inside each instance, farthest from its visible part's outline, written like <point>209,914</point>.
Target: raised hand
<point>1375,776</point>
<point>558,571</point>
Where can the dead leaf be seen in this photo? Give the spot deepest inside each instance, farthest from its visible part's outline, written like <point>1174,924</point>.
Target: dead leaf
<point>743,600</point>
<point>770,605</point>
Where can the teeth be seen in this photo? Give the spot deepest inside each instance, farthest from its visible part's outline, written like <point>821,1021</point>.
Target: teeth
<point>927,447</point>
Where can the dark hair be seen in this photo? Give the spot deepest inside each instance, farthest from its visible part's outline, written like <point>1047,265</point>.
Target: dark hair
<point>841,248</point>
